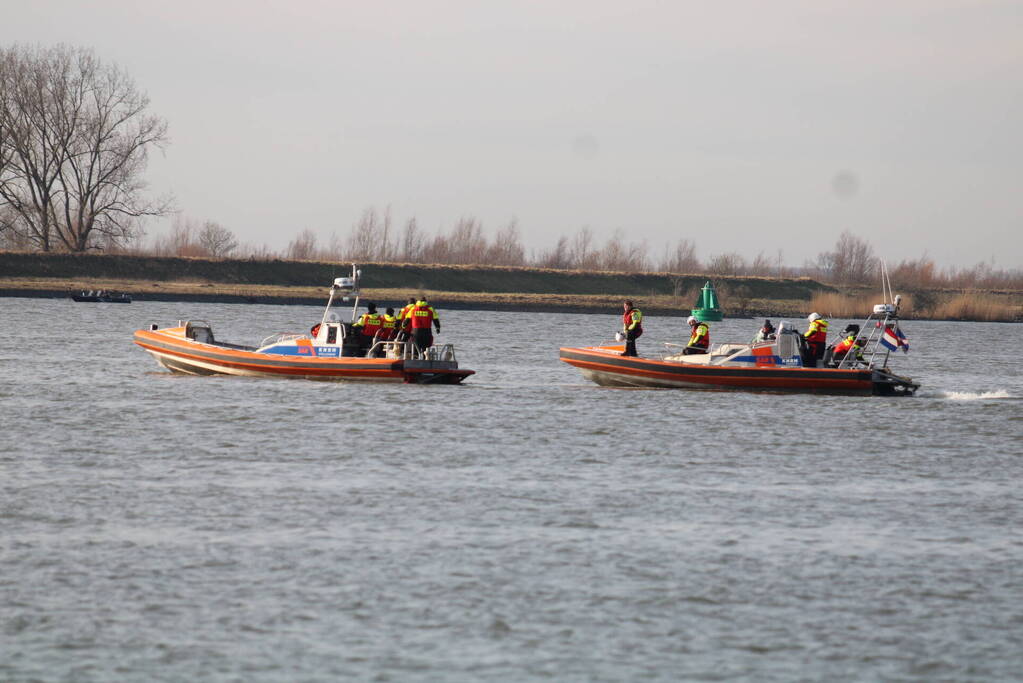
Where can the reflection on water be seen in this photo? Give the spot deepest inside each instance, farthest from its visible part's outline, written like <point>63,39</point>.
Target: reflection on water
<point>525,525</point>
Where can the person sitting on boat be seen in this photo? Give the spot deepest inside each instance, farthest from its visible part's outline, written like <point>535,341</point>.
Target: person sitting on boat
<point>418,322</point>
<point>816,339</point>
<point>367,326</point>
<point>388,329</point>
<point>632,327</point>
<point>699,340</point>
<point>850,344</point>
<point>765,333</point>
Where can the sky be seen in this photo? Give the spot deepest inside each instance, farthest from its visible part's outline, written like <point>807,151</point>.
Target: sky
<point>749,127</point>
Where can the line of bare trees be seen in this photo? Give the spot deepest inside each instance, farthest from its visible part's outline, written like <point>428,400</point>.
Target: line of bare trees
<point>374,238</point>
<point>74,140</point>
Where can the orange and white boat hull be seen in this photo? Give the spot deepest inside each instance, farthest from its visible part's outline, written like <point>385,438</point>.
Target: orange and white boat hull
<point>606,366</point>
<point>175,351</point>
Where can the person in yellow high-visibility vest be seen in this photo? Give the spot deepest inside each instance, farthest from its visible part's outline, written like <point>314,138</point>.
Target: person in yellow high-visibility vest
<point>632,327</point>
<point>402,325</point>
<point>816,339</point>
<point>699,340</point>
<point>418,321</point>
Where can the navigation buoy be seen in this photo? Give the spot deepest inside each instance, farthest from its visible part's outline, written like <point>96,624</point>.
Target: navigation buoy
<point>707,308</point>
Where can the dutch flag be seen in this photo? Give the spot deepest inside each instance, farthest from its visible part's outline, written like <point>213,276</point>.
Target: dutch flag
<point>893,339</point>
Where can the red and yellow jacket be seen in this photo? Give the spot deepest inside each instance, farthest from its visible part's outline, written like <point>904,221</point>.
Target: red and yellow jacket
<point>422,315</point>
<point>850,343</point>
<point>701,336</point>
<point>388,326</point>
<point>818,331</point>
<point>633,320</point>
<point>370,323</point>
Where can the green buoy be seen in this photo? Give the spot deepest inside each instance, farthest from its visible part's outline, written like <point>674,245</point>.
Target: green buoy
<point>707,308</point>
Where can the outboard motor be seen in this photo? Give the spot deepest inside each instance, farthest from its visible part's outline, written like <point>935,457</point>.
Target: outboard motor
<point>787,344</point>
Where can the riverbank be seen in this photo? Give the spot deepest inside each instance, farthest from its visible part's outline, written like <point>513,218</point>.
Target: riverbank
<point>456,287</point>
<point>316,296</point>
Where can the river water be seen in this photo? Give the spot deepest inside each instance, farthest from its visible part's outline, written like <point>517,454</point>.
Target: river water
<point>527,525</point>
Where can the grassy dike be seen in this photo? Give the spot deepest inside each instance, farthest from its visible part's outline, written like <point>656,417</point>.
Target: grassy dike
<point>469,287</point>
<point>302,282</point>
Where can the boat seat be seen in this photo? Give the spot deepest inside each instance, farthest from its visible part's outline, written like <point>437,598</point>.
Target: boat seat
<point>200,333</point>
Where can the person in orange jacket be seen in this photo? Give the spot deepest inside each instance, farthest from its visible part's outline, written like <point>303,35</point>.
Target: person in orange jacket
<point>418,321</point>
<point>367,326</point>
<point>632,327</point>
<point>816,339</point>
<point>699,340</point>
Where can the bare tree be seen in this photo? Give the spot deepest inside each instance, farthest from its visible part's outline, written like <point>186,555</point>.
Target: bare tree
<point>852,261</point>
<point>411,242</point>
<point>763,265</point>
<point>581,253</point>
<point>365,238</point>
<point>74,143</point>
<point>182,240</point>
<point>217,240</point>
<point>507,249</point>
<point>467,243</point>
<point>303,247</point>
<point>617,255</point>
<point>555,258</point>
<point>682,259</point>
<point>731,263</point>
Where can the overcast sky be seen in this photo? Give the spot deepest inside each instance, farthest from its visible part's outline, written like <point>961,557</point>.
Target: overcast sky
<point>744,126</point>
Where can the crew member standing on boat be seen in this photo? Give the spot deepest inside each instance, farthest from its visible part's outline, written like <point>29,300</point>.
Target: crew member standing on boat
<point>367,326</point>
<point>419,320</point>
<point>388,325</point>
<point>402,334</point>
<point>816,339</point>
<point>699,340</point>
<point>632,327</point>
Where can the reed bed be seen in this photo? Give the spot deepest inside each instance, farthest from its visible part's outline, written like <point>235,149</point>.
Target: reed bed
<point>833,305</point>
<point>978,306</point>
<point>975,306</point>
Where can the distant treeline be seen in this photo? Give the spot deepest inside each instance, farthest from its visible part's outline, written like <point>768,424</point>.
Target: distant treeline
<point>374,238</point>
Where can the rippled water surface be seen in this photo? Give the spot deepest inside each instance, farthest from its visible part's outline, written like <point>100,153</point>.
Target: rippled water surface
<point>525,526</point>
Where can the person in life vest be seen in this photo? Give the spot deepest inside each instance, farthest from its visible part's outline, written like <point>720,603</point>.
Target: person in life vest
<point>765,333</point>
<point>388,329</point>
<point>850,344</point>
<point>418,321</point>
<point>632,327</point>
<point>366,326</point>
<point>699,340</point>
<point>402,334</point>
<point>388,325</point>
<point>816,339</point>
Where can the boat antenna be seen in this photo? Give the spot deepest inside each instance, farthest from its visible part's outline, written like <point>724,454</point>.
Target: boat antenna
<point>346,286</point>
<point>887,294</point>
<point>356,276</point>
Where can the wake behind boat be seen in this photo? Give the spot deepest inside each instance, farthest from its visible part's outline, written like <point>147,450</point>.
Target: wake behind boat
<point>772,365</point>
<point>333,351</point>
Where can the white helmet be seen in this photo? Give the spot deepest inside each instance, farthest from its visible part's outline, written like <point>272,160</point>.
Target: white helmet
<point>812,317</point>
<point>691,319</point>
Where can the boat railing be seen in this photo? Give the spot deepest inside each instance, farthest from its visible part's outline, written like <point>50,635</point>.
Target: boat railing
<point>281,337</point>
<point>726,349</point>
<point>439,352</point>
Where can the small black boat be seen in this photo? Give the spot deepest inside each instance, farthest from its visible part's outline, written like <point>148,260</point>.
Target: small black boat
<point>101,296</point>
